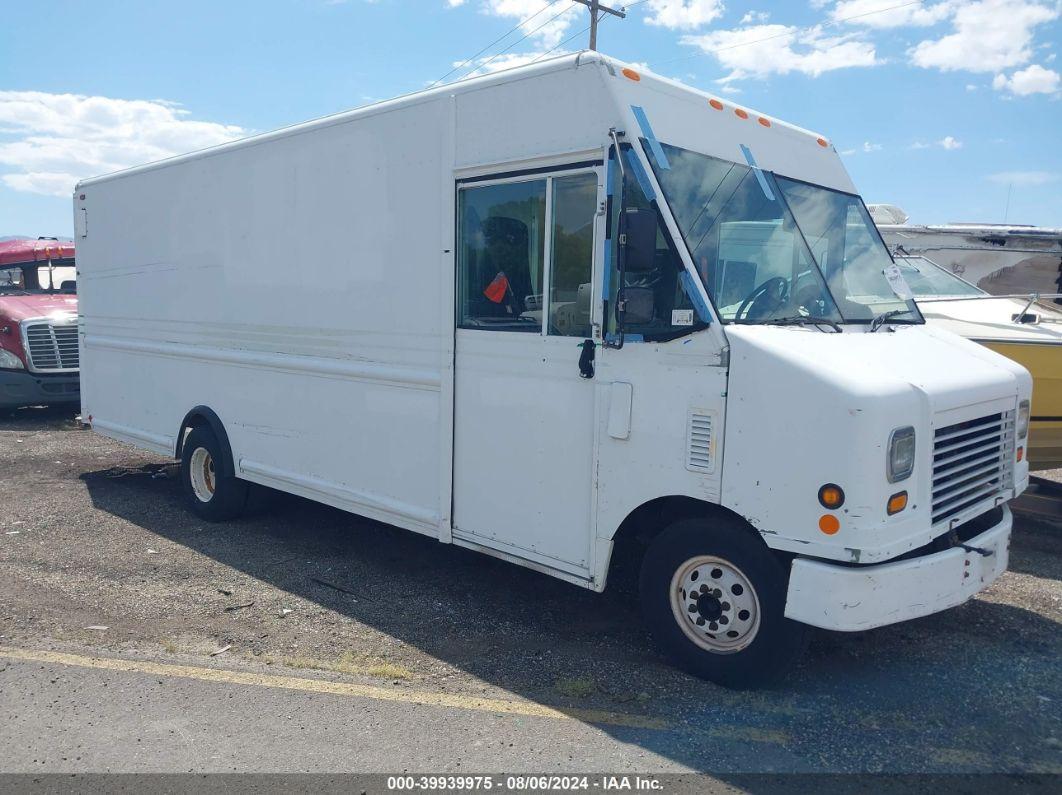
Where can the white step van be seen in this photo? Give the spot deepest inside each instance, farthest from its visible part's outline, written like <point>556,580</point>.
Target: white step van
<point>553,311</point>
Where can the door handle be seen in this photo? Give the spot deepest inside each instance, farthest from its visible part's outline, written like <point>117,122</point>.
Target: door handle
<point>586,359</point>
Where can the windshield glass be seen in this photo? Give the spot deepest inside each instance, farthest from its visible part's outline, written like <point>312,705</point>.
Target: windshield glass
<point>58,277</point>
<point>769,248</point>
<point>928,280</point>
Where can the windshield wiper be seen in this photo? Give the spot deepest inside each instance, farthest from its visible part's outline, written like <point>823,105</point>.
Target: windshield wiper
<point>879,320</point>
<point>804,320</point>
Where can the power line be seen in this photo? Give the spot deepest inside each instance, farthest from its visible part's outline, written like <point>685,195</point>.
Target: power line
<point>500,38</point>
<point>522,38</point>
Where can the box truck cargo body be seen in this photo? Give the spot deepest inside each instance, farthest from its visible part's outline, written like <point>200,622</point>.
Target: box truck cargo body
<point>551,311</point>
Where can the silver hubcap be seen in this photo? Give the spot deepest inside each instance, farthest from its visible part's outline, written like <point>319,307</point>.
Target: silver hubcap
<point>715,604</point>
<point>202,472</point>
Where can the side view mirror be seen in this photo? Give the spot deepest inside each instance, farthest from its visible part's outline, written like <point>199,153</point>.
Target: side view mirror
<point>637,239</point>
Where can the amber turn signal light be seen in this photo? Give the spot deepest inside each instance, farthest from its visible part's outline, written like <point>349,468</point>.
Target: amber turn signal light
<point>1020,454</point>
<point>897,502</point>
<point>831,496</point>
<point>829,524</point>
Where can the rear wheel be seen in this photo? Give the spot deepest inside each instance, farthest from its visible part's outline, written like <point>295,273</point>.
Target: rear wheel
<point>211,495</point>
<point>713,596</point>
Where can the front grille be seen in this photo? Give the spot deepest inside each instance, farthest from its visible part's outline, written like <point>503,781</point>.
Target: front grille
<point>52,345</point>
<point>971,463</point>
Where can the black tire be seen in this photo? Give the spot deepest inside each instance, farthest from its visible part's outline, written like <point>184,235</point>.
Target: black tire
<point>228,498</point>
<point>774,645</point>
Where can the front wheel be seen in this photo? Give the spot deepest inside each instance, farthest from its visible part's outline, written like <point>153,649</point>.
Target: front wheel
<point>713,596</point>
<point>211,495</point>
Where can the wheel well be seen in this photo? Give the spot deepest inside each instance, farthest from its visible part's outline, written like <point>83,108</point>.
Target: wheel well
<point>648,520</point>
<point>204,416</point>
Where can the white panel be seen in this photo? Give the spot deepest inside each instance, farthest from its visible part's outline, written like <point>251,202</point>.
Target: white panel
<point>619,410</point>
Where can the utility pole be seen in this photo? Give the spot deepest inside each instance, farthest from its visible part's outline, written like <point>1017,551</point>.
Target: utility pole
<point>595,6</point>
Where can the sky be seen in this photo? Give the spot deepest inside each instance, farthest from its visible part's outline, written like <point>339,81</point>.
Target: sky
<point>951,110</point>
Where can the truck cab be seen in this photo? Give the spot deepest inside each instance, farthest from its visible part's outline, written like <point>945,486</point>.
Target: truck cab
<point>38,324</point>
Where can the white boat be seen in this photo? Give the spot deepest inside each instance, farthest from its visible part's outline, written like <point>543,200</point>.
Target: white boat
<point>1001,259</point>
<point>1024,327</point>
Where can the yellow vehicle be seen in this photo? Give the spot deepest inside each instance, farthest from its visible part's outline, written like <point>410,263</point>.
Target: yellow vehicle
<point>1025,328</point>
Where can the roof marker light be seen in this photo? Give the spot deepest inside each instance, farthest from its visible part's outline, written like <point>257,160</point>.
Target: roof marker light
<point>630,74</point>
<point>741,114</point>
<point>764,122</point>
<point>823,142</point>
<point>715,103</point>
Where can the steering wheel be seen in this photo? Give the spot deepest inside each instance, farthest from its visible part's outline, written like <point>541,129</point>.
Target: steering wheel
<point>772,293</point>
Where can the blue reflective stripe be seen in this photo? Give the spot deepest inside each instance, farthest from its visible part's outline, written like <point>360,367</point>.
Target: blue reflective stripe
<point>647,131</point>
<point>690,286</point>
<point>627,337</point>
<point>759,174</point>
<point>639,174</point>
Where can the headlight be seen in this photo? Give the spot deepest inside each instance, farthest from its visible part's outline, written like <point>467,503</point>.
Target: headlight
<point>9,361</point>
<point>1023,419</point>
<point>901,454</point>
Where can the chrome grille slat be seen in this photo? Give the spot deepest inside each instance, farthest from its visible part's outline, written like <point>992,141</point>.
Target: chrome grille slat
<point>51,345</point>
<point>958,489</point>
<point>966,474</point>
<point>972,430</point>
<point>971,463</point>
<point>965,452</point>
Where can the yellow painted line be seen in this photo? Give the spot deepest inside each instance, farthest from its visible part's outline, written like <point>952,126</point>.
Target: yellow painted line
<point>424,698</point>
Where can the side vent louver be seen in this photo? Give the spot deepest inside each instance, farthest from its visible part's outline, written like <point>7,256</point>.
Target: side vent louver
<point>699,443</point>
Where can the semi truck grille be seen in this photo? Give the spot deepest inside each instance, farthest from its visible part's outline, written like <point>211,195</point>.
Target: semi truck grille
<point>52,346</point>
<point>971,463</point>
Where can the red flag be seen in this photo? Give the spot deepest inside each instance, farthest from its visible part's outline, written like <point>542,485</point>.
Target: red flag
<point>496,289</point>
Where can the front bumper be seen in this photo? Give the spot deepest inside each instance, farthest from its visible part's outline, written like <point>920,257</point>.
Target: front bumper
<point>852,598</point>
<point>20,388</point>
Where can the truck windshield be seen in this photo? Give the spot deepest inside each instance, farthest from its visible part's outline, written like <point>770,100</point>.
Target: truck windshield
<point>769,248</point>
<point>36,277</point>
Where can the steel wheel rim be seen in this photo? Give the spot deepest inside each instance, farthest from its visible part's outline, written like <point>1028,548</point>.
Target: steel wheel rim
<point>715,604</point>
<point>201,468</point>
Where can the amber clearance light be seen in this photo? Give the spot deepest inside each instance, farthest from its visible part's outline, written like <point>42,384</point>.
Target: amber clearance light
<point>831,496</point>
<point>897,502</point>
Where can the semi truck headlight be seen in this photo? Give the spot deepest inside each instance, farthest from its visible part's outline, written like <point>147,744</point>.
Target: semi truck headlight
<point>1023,419</point>
<point>9,361</point>
<point>901,459</point>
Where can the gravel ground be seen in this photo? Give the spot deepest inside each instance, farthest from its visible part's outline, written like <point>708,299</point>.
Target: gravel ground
<point>98,555</point>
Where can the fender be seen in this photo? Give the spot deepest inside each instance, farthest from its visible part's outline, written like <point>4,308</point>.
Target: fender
<point>204,415</point>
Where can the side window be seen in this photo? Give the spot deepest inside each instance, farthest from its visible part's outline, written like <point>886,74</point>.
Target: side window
<point>574,206</point>
<point>502,231</point>
<point>658,306</point>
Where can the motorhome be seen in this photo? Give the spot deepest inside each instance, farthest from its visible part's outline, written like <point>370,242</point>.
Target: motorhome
<point>544,338</point>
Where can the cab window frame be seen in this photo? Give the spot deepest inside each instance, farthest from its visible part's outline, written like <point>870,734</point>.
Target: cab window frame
<point>546,175</point>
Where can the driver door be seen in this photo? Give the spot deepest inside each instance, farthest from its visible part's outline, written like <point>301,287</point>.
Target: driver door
<point>528,252</point>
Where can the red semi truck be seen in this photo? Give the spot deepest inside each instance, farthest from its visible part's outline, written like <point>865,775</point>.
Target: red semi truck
<point>38,323</point>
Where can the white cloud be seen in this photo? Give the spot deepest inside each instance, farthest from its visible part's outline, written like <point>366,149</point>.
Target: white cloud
<point>989,36</point>
<point>1033,79</point>
<point>882,14</point>
<point>53,140</point>
<point>547,28</point>
<point>1023,178</point>
<point>683,14</point>
<point>866,148</point>
<point>487,65</point>
<point>948,142</point>
<point>755,17</point>
<point>763,50</point>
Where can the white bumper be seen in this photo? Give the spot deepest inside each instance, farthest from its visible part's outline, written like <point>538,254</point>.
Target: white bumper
<point>851,598</point>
